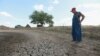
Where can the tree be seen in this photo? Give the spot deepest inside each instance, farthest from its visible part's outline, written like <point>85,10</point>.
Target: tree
<point>28,26</point>
<point>19,26</point>
<point>40,18</point>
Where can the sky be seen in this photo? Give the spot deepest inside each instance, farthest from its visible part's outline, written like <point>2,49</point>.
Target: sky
<point>17,12</point>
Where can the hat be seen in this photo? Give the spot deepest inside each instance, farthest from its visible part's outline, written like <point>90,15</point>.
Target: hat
<point>73,9</point>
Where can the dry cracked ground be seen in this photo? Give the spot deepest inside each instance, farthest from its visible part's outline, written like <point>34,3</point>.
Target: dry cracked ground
<point>44,43</point>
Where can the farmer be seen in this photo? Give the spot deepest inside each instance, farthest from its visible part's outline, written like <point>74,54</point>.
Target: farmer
<point>78,17</point>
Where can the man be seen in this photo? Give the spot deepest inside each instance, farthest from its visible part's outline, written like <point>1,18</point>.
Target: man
<point>78,17</point>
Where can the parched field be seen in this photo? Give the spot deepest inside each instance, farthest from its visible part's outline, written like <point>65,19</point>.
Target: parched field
<point>48,42</point>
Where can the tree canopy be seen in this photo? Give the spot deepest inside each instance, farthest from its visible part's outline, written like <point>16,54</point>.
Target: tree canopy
<point>41,18</point>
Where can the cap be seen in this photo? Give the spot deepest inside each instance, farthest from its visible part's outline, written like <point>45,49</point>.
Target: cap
<point>73,9</point>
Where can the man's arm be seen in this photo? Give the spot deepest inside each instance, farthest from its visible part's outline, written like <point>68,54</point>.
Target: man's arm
<point>82,17</point>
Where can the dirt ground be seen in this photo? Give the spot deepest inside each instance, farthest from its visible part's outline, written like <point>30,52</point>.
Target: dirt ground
<point>44,43</point>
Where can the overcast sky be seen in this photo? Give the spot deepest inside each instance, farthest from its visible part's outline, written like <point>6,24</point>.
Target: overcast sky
<point>15,12</point>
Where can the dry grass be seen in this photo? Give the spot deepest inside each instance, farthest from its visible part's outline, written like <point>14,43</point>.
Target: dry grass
<point>92,32</point>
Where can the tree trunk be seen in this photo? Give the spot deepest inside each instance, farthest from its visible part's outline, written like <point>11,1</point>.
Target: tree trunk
<point>39,25</point>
